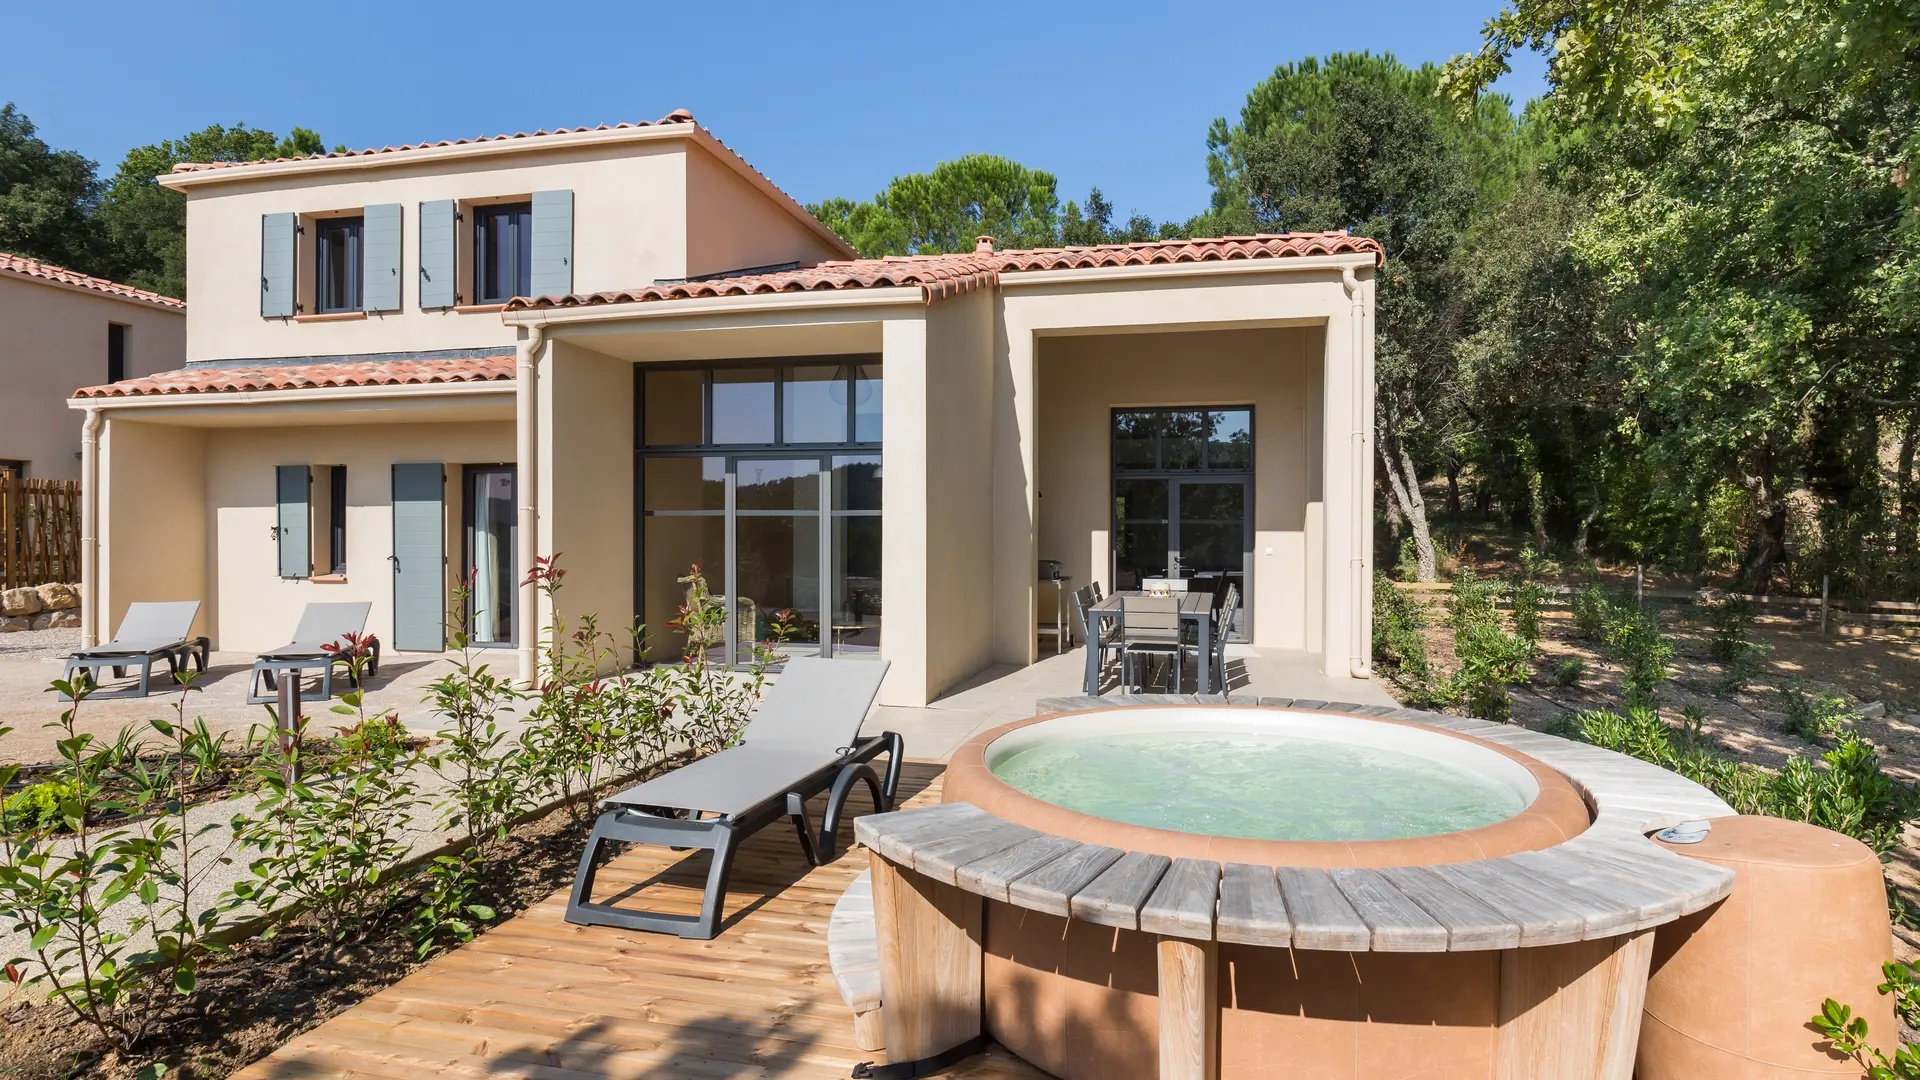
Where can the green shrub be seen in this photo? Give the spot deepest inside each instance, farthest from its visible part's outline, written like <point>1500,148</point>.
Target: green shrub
<point>1472,601</point>
<point>1490,661</point>
<point>1569,672</point>
<point>1399,649</point>
<point>1815,717</point>
<point>1591,606</point>
<point>1729,629</point>
<point>36,807</point>
<point>1629,635</point>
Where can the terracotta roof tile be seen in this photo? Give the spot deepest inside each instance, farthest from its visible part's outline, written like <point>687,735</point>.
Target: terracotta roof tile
<point>677,116</point>
<point>942,276</point>
<point>34,268</point>
<point>213,380</point>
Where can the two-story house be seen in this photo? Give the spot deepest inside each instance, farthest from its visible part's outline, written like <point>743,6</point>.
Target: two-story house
<point>421,366</point>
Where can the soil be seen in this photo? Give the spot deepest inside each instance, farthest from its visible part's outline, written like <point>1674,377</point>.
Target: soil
<point>265,992</point>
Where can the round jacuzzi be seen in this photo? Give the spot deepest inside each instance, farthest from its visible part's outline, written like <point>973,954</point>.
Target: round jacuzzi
<point>1267,787</point>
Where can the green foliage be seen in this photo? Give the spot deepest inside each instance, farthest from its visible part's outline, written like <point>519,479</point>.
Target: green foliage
<point>1846,791</point>
<point>36,806</point>
<point>1629,635</point>
<point>1815,716</point>
<point>1472,601</point>
<point>1848,1034</point>
<point>116,920</point>
<point>46,197</point>
<point>1399,650</point>
<point>945,208</point>
<point>1569,672</point>
<point>1491,660</point>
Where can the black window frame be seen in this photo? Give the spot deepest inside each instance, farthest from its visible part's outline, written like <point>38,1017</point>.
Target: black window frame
<point>355,265</point>
<point>116,351</point>
<point>519,237</point>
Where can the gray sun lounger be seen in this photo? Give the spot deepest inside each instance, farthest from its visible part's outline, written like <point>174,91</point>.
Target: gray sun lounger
<point>804,739</point>
<point>317,645</point>
<point>149,631</point>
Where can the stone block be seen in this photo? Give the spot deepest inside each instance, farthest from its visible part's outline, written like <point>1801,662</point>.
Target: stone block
<point>55,596</point>
<point>60,620</point>
<point>42,621</point>
<point>9,623</point>
<point>19,602</point>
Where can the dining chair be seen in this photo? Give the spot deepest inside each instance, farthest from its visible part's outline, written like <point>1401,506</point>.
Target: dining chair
<point>1222,626</point>
<point>1149,628</point>
<point>1106,640</point>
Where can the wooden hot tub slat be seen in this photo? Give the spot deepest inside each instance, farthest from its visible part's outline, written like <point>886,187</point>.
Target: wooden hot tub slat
<point>1322,916</point>
<point>1051,888</point>
<point>1251,911</point>
<point>991,876</point>
<point>1114,898</point>
<point>1397,922</point>
<point>1182,904</point>
<point>1471,925</point>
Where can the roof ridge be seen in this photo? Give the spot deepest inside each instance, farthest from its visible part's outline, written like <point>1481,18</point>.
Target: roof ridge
<point>308,376</point>
<point>677,116</point>
<point>40,270</point>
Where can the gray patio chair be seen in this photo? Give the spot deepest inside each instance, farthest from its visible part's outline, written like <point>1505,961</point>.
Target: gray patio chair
<point>149,631</point>
<point>804,739</point>
<point>318,644</point>
<point>1090,629</point>
<point>1222,626</point>
<point>1150,629</point>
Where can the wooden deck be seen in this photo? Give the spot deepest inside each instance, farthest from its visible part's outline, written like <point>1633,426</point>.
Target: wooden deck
<point>540,999</point>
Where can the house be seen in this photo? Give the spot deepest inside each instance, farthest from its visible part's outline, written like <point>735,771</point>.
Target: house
<point>64,328</point>
<point>423,365</point>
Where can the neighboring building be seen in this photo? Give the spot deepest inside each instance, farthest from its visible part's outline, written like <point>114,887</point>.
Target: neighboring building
<point>375,409</point>
<point>58,330</point>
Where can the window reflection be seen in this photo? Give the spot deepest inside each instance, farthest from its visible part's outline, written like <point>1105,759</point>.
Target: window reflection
<point>1230,439</point>
<point>866,403</point>
<point>675,408</point>
<point>814,405</point>
<point>743,405</point>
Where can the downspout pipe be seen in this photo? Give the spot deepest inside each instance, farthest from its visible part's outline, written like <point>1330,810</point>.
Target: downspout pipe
<point>90,612</point>
<point>526,481</point>
<point>1360,659</point>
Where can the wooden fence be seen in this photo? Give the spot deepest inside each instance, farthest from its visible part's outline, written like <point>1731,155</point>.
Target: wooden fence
<point>39,531</point>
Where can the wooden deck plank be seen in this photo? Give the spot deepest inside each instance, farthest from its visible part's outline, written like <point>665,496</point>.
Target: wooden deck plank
<point>1182,904</point>
<point>1251,910</point>
<point>1114,898</point>
<point>541,999</point>
<point>1051,887</point>
<point>1322,916</point>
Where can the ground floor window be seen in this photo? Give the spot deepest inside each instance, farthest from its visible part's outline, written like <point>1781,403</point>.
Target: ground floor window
<point>491,538</point>
<point>767,477</point>
<point>1183,499</point>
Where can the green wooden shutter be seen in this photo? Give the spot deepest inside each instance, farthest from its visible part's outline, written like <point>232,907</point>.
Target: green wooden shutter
<point>276,265</point>
<point>419,557</point>
<point>552,243</point>
<point>380,256</point>
<point>293,483</point>
<point>437,255</point>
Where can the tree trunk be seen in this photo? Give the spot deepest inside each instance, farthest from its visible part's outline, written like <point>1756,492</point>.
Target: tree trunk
<point>1453,488</point>
<point>1582,536</point>
<point>1406,491</point>
<point>1907,526</point>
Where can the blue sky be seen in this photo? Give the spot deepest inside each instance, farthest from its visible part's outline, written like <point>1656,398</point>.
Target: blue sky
<point>825,99</point>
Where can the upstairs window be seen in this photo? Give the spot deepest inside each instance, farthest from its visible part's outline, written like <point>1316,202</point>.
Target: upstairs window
<point>116,352</point>
<point>337,269</point>
<point>502,252</point>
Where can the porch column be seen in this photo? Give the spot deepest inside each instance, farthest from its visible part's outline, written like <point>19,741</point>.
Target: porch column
<point>903,535</point>
<point>1346,482</point>
<point>530,351</point>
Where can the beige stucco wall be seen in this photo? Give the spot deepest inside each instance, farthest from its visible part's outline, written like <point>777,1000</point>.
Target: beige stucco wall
<point>55,342</point>
<point>1276,371</point>
<point>586,486</point>
<point>642,211</point>
<point>255,608</point>
<point>957,636</point>
<point>731,226</point>
<point>153,535</point>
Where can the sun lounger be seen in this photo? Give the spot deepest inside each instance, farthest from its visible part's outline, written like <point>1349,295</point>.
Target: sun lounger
<point>319,643</point>
<point>149,631</point>
<point>804,739</point>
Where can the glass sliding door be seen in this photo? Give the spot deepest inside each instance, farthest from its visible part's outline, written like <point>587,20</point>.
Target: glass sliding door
<point>777,552</point>
<point>491,536</point>
<point>1183,500</point>
<point>768,476</point>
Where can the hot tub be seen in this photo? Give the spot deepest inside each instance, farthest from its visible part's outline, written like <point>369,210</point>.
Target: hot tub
<point>1271,788</point>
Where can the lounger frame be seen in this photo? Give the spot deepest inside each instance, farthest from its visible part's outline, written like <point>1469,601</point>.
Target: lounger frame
<point>188,652</point>
<point>637,824</point>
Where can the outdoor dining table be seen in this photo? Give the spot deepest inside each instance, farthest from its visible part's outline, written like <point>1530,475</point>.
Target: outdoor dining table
<point>1195,608</point>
